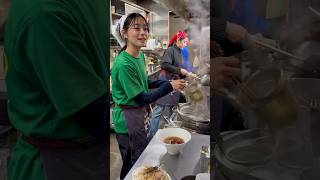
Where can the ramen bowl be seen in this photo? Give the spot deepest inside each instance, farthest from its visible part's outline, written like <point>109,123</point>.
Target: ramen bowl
<point>144,173</point>
<point>174,139</point>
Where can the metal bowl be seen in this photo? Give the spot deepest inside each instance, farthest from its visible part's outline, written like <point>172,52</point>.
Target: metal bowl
<point>250,154</point>
<point>239,170</point>
<point>270,100</point>
<point>270,169</point>
<point>191,121</point>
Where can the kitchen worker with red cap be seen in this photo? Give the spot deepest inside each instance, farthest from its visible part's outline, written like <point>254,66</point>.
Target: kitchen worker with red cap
<point>171,68</point>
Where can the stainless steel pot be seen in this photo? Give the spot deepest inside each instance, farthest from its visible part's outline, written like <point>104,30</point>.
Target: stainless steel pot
<point>192,121</point>
<point>270,101</point>
<point>231,170</point>
<point>272,168</point>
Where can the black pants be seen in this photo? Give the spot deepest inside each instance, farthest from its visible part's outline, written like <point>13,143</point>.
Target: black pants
<point>124,147</point>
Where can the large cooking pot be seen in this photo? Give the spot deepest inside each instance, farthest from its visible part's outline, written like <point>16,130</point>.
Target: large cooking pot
<point>199,123</point>
<point>266,161</point>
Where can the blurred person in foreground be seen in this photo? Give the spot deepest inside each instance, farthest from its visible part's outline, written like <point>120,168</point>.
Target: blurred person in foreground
<point>57,54</point>
<point>225,41</point>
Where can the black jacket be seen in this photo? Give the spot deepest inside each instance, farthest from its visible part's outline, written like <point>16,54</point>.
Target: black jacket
<point>172,59</point>
<point>220,13</point>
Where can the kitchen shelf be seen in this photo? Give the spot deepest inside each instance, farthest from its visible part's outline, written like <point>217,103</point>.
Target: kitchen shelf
<point>117,14</point>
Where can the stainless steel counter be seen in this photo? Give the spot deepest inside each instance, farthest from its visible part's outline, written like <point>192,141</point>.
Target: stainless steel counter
<point>177,166</point>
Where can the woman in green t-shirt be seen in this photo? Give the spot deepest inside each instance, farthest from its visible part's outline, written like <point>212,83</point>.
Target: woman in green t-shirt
<point>130,86</point>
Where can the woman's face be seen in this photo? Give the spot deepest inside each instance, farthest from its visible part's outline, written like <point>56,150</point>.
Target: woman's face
<point>137,34</point>
<point>182,43</point>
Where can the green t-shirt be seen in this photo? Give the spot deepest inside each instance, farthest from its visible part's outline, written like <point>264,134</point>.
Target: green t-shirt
<point>129,78</point>
<point>57,53</point>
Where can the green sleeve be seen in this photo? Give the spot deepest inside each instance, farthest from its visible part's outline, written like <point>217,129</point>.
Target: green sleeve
<point>130,81</point>
<point>57,48</point>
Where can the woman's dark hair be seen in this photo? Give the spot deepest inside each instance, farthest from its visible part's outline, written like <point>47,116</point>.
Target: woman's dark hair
<point>129,22</point>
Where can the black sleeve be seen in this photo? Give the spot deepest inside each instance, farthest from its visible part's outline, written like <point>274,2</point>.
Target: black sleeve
<point>144,99</point>
<point>94,118</point>
<point>218,32</point>
<point>155,83</point>
<point>220,9</point>
<point>220,12</point>
<point>167,62</point>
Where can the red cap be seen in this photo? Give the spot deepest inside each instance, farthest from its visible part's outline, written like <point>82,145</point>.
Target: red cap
<point>178,36</point>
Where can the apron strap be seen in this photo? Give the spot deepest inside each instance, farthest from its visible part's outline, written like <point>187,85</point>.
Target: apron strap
<point>148,107</point>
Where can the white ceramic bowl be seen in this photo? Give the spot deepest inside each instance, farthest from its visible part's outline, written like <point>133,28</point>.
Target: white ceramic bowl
<point>173,149</point>
<point>203,176</point>
<point>138,169</point>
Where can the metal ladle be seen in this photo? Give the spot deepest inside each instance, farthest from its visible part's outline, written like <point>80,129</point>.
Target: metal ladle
<point>193,91</point>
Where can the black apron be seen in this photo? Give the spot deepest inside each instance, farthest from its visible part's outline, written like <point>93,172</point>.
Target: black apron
<point>138,123</point>
<point>66,160</point>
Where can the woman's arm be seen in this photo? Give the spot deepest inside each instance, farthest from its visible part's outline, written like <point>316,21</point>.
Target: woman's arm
<point>156,83</point>
<point>145,98</point>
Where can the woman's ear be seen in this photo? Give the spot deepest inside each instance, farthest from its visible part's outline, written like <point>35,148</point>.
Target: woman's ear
<point>124,34</point>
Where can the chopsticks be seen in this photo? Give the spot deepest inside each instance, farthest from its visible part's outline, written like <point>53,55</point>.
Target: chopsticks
<point>245,89</point>
<point>314,11</point>
<point>276,49</point>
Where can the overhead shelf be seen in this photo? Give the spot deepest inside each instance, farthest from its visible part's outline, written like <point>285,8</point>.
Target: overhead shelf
<point>117,14</point>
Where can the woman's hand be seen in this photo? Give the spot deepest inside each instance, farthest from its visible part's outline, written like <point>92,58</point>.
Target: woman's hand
<point>224,68</point>
<point>187,73</point>
<point>235,33</point>
<point>178,84</point>
<point>192,75</point>
<point>184,72</point>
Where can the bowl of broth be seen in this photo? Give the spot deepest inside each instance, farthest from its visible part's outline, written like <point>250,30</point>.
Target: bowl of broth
<point>174,139</point>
